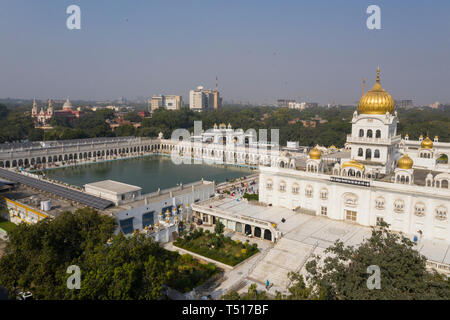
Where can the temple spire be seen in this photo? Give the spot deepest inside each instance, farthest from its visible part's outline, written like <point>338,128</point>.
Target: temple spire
<point>378,74</point>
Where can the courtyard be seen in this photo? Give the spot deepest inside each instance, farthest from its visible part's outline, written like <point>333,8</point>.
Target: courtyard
<point>301,236</point>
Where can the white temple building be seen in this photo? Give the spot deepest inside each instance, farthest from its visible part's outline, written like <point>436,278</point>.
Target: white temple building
<point>402,182</point>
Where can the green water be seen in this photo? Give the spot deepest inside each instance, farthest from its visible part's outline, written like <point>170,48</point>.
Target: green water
<point>149,173</point>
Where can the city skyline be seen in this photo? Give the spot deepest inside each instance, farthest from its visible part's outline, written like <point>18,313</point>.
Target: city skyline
<point>260,51</point>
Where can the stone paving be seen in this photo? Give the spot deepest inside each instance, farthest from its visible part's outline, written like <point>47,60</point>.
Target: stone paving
<point>302,236</point>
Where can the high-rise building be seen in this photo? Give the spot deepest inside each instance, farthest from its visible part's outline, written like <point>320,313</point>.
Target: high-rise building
<point>200,99</point>
<point>404,103</point>
<point>169,102</point>
<point>156,102</point>
<point>173,102</point>
<point>284,103</point>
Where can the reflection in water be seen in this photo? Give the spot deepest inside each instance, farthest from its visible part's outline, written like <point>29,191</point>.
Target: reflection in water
<point>150,173</point>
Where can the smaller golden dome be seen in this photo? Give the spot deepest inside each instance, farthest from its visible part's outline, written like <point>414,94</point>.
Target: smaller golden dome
<point>353,163</point>
<point>427,143</point>
<point>421,136</point>
<point>315,154</point>
<point>405,162</point>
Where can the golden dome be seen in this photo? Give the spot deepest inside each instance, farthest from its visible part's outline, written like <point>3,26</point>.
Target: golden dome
<point>376,100</point>
<point>353,163</point>
<point>315,154</point>
<point>405,162</point>
<point>427,143</point>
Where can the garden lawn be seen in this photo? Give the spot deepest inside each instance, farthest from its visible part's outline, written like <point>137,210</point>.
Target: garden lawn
<point>7,225</point>
<point>216,247</point>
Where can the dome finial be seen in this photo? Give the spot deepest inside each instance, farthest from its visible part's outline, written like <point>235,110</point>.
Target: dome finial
<point>378,74</point>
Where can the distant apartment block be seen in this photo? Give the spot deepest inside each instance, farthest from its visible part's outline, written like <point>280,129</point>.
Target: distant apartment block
<point>169,102</point>
<point>404,103</point>
<point>292,104</point>
<point>284,103</point>
<point>201,99</point>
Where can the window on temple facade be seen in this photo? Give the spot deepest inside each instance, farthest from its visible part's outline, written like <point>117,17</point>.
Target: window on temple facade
<point>324,194</point>
<point>419,209</point>
<point>282,186</point>
<point>441,213</point>
<point>309,191</point>
<point>380,203</point>
<point>399,205</point>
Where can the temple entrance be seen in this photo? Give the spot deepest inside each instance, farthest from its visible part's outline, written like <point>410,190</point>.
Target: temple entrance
<point>248,229</point>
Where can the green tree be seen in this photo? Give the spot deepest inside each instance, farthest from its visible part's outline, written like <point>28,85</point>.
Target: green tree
<point>125,130</point>
<point>252,294</point>
<point>219,228</point>
<point>132,116</point>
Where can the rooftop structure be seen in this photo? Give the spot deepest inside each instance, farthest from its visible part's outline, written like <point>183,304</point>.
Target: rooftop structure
<point>117,192</point>
<point>56,189</point>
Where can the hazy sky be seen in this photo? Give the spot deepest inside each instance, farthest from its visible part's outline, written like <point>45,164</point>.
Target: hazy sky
<point>260,50</point>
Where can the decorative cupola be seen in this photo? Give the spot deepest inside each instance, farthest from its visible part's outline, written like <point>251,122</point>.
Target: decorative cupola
<point>406,137</point>
<point>353,168</point>
<point>436,139</point>
<point>314,163</point>
<point>315,153</point>
<point>404,171</point>
<point>405,162</point>
<point>34,111</point>
<point>50,107</point>
<point>427,143</point>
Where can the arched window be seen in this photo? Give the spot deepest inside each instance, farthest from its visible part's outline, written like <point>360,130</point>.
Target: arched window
<point>369,133</point>
<point>419,209</point>
<point>378,134</point>
<point>360,152</point>
<point>324,194</point>
<point>361,132</point>
<point>269,184</point>
<point>295,188</point>
<point>441,213</point>
<point>368,154</point>
<point>282,186</point>
<point>399,205</point>
<point>377,153</point>
<point>379,203</point>
<point>309,191</point>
